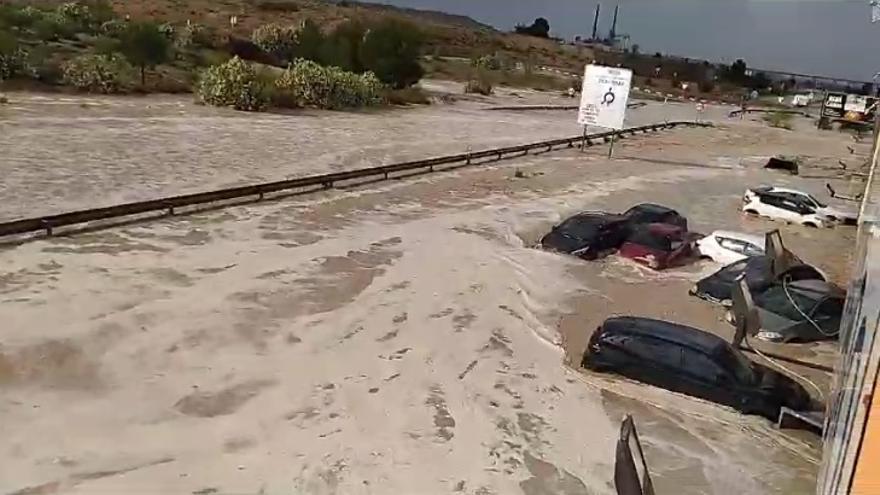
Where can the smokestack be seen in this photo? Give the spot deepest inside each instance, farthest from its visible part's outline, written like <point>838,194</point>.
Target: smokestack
<point>613,33</point>
<point>596,21</point>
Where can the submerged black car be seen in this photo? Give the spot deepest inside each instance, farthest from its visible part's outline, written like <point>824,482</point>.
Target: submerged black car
<point>646,213</point>
<point>800,311</point>
<point>758,273</point>
<point>589,235</point>
<point>692,362</point>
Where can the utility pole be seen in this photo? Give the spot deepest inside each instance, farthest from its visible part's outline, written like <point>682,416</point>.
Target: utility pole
<point>596,22</point>
<point>613,33</point>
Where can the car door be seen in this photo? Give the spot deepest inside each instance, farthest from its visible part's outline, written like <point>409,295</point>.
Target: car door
<point>654,361</point>
<point>791,209</point>
<point>704,377</point>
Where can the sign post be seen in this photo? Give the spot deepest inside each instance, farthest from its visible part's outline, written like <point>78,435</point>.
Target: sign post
<point>603,98</point>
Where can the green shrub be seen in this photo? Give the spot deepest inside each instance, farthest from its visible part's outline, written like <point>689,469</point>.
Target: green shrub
<point>53,27</point>
<point>113,27</point>
<point>308,84</point>
<point>487,62</point>
<point>74,12</point>
<point>233,84</point>
<point>96,73</point>
<point>21,17</point>
<point>391,50</point>
<point>191,34</point>
<point>145,46</point>
<point>13,58</point>
<point>278,40</point>
<point>480,85</point>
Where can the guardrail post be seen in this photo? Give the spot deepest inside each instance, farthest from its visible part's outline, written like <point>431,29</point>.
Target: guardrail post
<point>430,168</point>
<point>468,161</point>
<point>48,227</point>
<point>329,184</point>
<point>170,210</point>
<point>261,196</point>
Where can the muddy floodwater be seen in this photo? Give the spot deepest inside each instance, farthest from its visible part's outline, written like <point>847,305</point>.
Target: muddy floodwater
<point>404,337</point>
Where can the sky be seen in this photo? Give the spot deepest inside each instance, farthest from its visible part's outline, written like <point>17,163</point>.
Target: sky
<point>822,37</point>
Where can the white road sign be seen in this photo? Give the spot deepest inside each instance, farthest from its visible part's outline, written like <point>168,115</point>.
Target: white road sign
<point>604,96</point>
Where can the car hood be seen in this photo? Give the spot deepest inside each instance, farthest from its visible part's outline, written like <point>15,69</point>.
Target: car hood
<point>838,213</point>
<point>780,386</point>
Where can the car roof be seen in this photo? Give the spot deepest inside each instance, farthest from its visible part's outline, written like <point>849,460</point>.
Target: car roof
<point>777,189</point>
<point>741,236</point>
<point>652,207</point>
<point>672,332</point>
<point>817,288</point>
<point>595,217</point>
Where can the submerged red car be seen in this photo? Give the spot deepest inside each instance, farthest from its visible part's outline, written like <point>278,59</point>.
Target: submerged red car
<point>659,245</point>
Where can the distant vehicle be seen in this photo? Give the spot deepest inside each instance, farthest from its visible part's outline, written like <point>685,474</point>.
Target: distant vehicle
<point>658,245</point>
<point>654,213</point>
<point>799,311</point>
<point>793,206</point>
<point>686,360</point>
<point>726,247</point>
<point>588,235</point>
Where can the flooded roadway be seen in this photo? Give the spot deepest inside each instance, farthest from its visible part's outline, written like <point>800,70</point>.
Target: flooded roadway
<point>399,339</point>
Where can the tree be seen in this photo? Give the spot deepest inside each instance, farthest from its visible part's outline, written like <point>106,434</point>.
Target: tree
<point>737,71</point>
<point>391,50</point>
<point>342,47</point>
<point>540,28</point>
<point>144,46</point>
<point>309,41</point>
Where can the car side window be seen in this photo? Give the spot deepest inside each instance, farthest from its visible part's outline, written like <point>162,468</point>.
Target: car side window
<point>752,250</point>
<point>656,351</point>
<point>701,366</point>
<point>731,244</point>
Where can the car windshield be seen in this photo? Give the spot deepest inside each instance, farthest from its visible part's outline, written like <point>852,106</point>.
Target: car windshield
<point>789,302</point>
<point>580,227</point>
<point>815,201</point>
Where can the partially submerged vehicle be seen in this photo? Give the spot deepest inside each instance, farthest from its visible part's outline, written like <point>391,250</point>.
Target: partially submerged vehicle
<point>793,206</point>
<point>687,360</point>
<point>759,272</point>
<point>659,245</point>
<point>591,235</point>
<point>727,247</point>
<point>799,311</point>
<point>588,235</point>
<point>646,213</point>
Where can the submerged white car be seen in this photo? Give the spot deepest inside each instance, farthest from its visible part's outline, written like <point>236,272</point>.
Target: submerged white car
<point>726,247</point>
<point>792,206</point>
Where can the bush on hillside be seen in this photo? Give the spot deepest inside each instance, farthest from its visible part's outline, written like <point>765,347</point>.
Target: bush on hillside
<point>275,39</point>
<point>308,84</point>
<point>391,50</point>
<point>480,85</point>
<point>145,46</point>
<point>192,34</point>
<point>96,73</point>
<point>233,84</point>
<point>13,58</point>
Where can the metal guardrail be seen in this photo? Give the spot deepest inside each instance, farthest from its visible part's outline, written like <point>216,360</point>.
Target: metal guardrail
<point>324,181</point>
